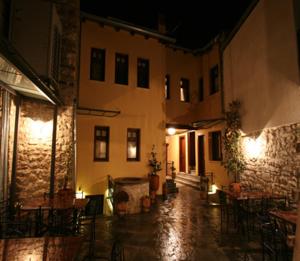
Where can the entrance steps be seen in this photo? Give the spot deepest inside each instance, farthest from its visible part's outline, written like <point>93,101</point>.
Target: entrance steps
<point>188,179</point>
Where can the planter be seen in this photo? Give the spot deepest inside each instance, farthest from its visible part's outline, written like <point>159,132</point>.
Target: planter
<point>146,203</point>
<point>235,187</point>
<point>154,182</point>
<point>121,208</point>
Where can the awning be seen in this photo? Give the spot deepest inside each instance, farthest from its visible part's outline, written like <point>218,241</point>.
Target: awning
<point>18,75</point>
<point>205,124</point>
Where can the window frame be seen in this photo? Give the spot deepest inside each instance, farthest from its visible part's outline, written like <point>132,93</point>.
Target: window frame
<point>186,89</point>
<point>201,90</point>
<point>121,77</point>
<point>215,142</point>
<point>214,79</point>
<point>137,139</point>
<point>167,87</point>
<point>143,80</point>
<point>97,62</point>
<point>101,138</point>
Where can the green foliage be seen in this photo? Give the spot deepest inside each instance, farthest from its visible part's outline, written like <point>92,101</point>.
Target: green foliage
<point>233,160</point>
<point>154,163</point>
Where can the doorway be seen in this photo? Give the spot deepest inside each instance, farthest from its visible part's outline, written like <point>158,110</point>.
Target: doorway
<point>201,159</point>
<point>191,154</point>
<point>182,154</point>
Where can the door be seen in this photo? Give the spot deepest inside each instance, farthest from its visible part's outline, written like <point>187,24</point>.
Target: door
<point>191,154</point>
<point>182,154</point>
<point>201,160</point>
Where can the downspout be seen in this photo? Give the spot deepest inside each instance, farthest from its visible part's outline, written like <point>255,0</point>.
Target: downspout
<point>53,153</point>
<point>221,75</point>
<point>13,184</point>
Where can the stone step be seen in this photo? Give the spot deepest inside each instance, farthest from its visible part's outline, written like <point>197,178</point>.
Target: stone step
<point>189,183</point>
<point>188,176</point>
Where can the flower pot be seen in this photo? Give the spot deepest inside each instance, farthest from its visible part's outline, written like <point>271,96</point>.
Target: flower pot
<point>146,203</point>
<point>154,182</point>
<point>121,208</point>
<point>235,187</point>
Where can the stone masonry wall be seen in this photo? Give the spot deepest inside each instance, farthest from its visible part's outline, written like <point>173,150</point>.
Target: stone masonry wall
<point>277,168</point>
<point>34,148</point>
<point>69,12</point>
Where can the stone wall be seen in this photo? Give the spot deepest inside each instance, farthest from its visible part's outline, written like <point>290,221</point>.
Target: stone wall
<point>276,166</point>
<point>34,148</point>
<point>69,12</point>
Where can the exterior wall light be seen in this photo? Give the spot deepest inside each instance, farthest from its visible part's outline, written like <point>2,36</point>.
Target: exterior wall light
<point>254,148</point>
<point>171,131</point>
<point>39,130</point>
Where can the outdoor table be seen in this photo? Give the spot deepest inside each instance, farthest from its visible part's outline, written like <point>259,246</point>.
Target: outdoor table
<point>42,248</point>
<point>61,212</point>
<point>287,216</point>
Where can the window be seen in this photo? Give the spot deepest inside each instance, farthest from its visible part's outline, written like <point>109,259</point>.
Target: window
<point>101,143</point>
<point>201,90</point>
<point>215,149</point>
<point>143,73</point>
<point>97,67</point>
<point>167,87</point>
<point>184,90</point>
<point>56,53</point>
<point>133,144</point>
<point>121,70</point>
<point>214,79</point>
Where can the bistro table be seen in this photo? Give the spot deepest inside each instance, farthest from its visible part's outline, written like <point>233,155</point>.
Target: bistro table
<point>58,215</point>
<point>41,248</point>
<point>287,216</point>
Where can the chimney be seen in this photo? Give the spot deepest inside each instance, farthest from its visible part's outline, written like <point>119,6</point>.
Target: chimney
<point>162,24</point>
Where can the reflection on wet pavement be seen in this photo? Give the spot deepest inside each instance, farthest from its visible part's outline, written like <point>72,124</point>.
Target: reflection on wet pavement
<point>179,228</point>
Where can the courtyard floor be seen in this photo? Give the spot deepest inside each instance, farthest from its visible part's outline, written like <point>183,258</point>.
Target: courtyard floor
<point>183,227</point>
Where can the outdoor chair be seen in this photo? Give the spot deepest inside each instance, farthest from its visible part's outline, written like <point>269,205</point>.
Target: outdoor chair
<point>227,210</point>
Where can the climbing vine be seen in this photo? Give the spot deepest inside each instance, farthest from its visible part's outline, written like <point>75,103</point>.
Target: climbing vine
<point>233,161</point>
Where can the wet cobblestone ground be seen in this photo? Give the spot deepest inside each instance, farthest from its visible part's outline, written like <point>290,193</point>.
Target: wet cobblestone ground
<point>180,228</point>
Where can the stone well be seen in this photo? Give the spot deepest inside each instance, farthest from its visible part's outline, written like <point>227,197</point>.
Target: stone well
<point>136,188</point>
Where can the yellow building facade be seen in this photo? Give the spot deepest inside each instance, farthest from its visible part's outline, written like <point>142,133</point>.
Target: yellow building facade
<point>125,106</point>
<point>112,104</point>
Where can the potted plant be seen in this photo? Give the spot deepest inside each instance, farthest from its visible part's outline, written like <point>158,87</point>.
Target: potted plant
<point>146,203</point>
<point>173,171</point>
<point>120,199</point>
<point>153,177</point>
<point>233,161</point>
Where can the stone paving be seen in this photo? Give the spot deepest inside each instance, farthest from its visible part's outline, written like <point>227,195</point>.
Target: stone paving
<point>180,228</point>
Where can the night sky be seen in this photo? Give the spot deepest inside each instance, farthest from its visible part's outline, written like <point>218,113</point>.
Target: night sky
<point>193,25</point>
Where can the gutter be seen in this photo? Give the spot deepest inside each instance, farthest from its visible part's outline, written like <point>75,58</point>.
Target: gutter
<point>128,27</point>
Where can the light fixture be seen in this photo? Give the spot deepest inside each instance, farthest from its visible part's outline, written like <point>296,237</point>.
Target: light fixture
<point>171,131</point>
<point>254,148</point>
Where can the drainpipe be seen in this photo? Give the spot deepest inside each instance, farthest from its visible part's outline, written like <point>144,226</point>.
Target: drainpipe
<point>4,139</point>
<point>53,153</point>
<point>15,154</point>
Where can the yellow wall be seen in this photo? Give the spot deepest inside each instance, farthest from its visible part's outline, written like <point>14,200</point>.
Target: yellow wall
<point>185,65</point>
<point>220,175</point>
<point>140,108</point>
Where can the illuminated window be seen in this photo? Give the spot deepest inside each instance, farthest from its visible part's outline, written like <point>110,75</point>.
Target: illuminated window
<point>133,144</point>
<point>184,90</point>
<point>215,149</point>
<point>201,90</point>
<point>143,73</point>
<point>121,69</point>
<point>101,143</point>
<point>214,79</point>
<point>167,87</point>
<point>97,66</point>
